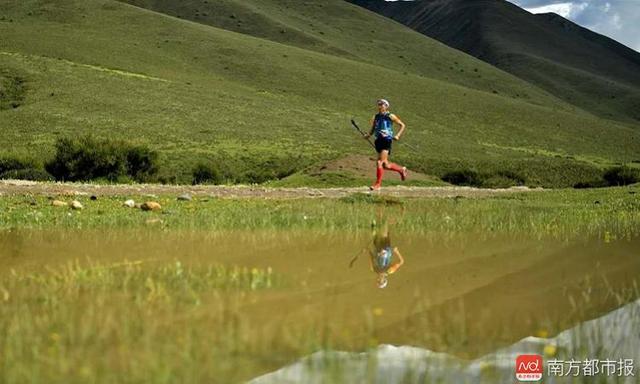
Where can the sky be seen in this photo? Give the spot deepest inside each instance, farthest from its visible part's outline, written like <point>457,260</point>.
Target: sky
<point>618,19</point>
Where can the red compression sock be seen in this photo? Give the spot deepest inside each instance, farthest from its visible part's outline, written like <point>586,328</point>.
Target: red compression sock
<point>379,174</point>
<point>395,167</point>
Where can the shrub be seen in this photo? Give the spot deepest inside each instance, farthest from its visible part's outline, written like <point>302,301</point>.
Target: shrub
<point>464,177</point>
<point>591,184</point>
<point>621,176</point>
<point>142,163</point>
<point>496,179</point>
<point>271,169</point>
<point>13,163</point>
<point>206,173</point>
<point>86,158</point>
<point>33,174</point>
<point>14,167</point>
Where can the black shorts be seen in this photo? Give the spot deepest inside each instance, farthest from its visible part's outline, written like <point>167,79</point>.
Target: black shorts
<point>383,144</point>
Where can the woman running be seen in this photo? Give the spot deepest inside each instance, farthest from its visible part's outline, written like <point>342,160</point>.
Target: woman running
<point>382,130</point>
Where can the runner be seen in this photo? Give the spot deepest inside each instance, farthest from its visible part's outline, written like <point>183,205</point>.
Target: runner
<point>382,130</point>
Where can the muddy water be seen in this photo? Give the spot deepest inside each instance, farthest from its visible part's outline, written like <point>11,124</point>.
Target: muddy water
<point>463,295</point>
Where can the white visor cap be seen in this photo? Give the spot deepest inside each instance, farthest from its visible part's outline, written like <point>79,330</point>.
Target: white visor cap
<point>383,101</point>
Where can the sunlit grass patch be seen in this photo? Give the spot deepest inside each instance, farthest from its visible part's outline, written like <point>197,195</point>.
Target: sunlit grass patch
<point>139,280</point>
<point>368,198</point>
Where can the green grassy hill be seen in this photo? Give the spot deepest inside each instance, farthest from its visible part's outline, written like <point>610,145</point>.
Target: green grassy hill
<point>579,66</point>
<point>260,100</point>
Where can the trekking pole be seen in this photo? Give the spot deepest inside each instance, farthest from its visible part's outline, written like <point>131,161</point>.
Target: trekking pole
<point>415,149</point>
<point>353,122</point>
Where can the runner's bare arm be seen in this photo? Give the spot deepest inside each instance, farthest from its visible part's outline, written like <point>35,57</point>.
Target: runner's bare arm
<point>397,253</point>
<point>402,125</point>
<point>373,127</point>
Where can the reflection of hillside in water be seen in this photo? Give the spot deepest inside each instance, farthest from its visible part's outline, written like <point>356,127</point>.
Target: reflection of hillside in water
<point>613,336</point>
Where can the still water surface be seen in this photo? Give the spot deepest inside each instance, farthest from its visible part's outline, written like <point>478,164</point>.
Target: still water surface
<point>463,295</point>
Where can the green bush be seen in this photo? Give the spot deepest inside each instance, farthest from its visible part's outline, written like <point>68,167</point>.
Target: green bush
<point>15,167</point>
<point>142,163</point>
<point>491,179</point>
<point>33,174</point>
<point>501,179</point>
<point>618,176</point>
<point>598,183</point>
<point>466,177</point>
<point>206,173</point>
<point>271,169</point>
<point>14,163</point>
<point>87,158</point>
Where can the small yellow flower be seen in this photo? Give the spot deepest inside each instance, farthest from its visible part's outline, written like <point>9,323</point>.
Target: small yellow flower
<point>542,333</point>
<point>378,311</point>
<point>550,350</point>
<point>54,337</point>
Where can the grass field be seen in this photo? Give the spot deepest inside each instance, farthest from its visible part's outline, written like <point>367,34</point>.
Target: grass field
<point>560,214</point>
<point>280,97</point>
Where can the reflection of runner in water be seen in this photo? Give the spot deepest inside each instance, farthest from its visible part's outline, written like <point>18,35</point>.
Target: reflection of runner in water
<point>382,258</point>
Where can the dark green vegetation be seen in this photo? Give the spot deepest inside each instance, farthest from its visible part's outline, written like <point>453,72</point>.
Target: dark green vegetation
<point>583,68</point>
<point>19,167</point>
<point>274,100</point>
<point>90,159</point>
<point>12,90</point>
<point>561,213</point>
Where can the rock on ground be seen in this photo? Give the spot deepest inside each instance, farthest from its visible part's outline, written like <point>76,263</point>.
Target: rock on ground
<point>75,204</point>
<point>151,206</point>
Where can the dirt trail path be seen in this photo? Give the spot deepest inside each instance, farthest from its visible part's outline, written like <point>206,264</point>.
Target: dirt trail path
<point>18,187</point>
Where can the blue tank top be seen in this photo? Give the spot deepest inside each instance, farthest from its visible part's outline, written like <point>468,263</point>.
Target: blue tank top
<point>382,260</point>
<point>383,126</point>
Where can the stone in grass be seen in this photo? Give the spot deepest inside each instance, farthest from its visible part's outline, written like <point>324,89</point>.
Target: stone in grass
<point>151,206</point>
<point>185,197</point>
<point>129,203</point>
<point>75,204</point>
<point>58,203</point>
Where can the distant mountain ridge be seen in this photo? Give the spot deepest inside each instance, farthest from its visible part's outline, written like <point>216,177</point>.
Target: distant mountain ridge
<point>584,68</point>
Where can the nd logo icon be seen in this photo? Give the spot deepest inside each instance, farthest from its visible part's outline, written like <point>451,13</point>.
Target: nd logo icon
<point>529,368</point>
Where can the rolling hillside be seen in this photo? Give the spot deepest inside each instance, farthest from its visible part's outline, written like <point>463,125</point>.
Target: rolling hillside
<point>582,67</point>
<point>277,98</point>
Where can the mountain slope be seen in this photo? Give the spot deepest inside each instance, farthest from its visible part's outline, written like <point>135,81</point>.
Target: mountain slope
<point>339,29</point>
<point>262,109</point>
<point>581,67</point>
